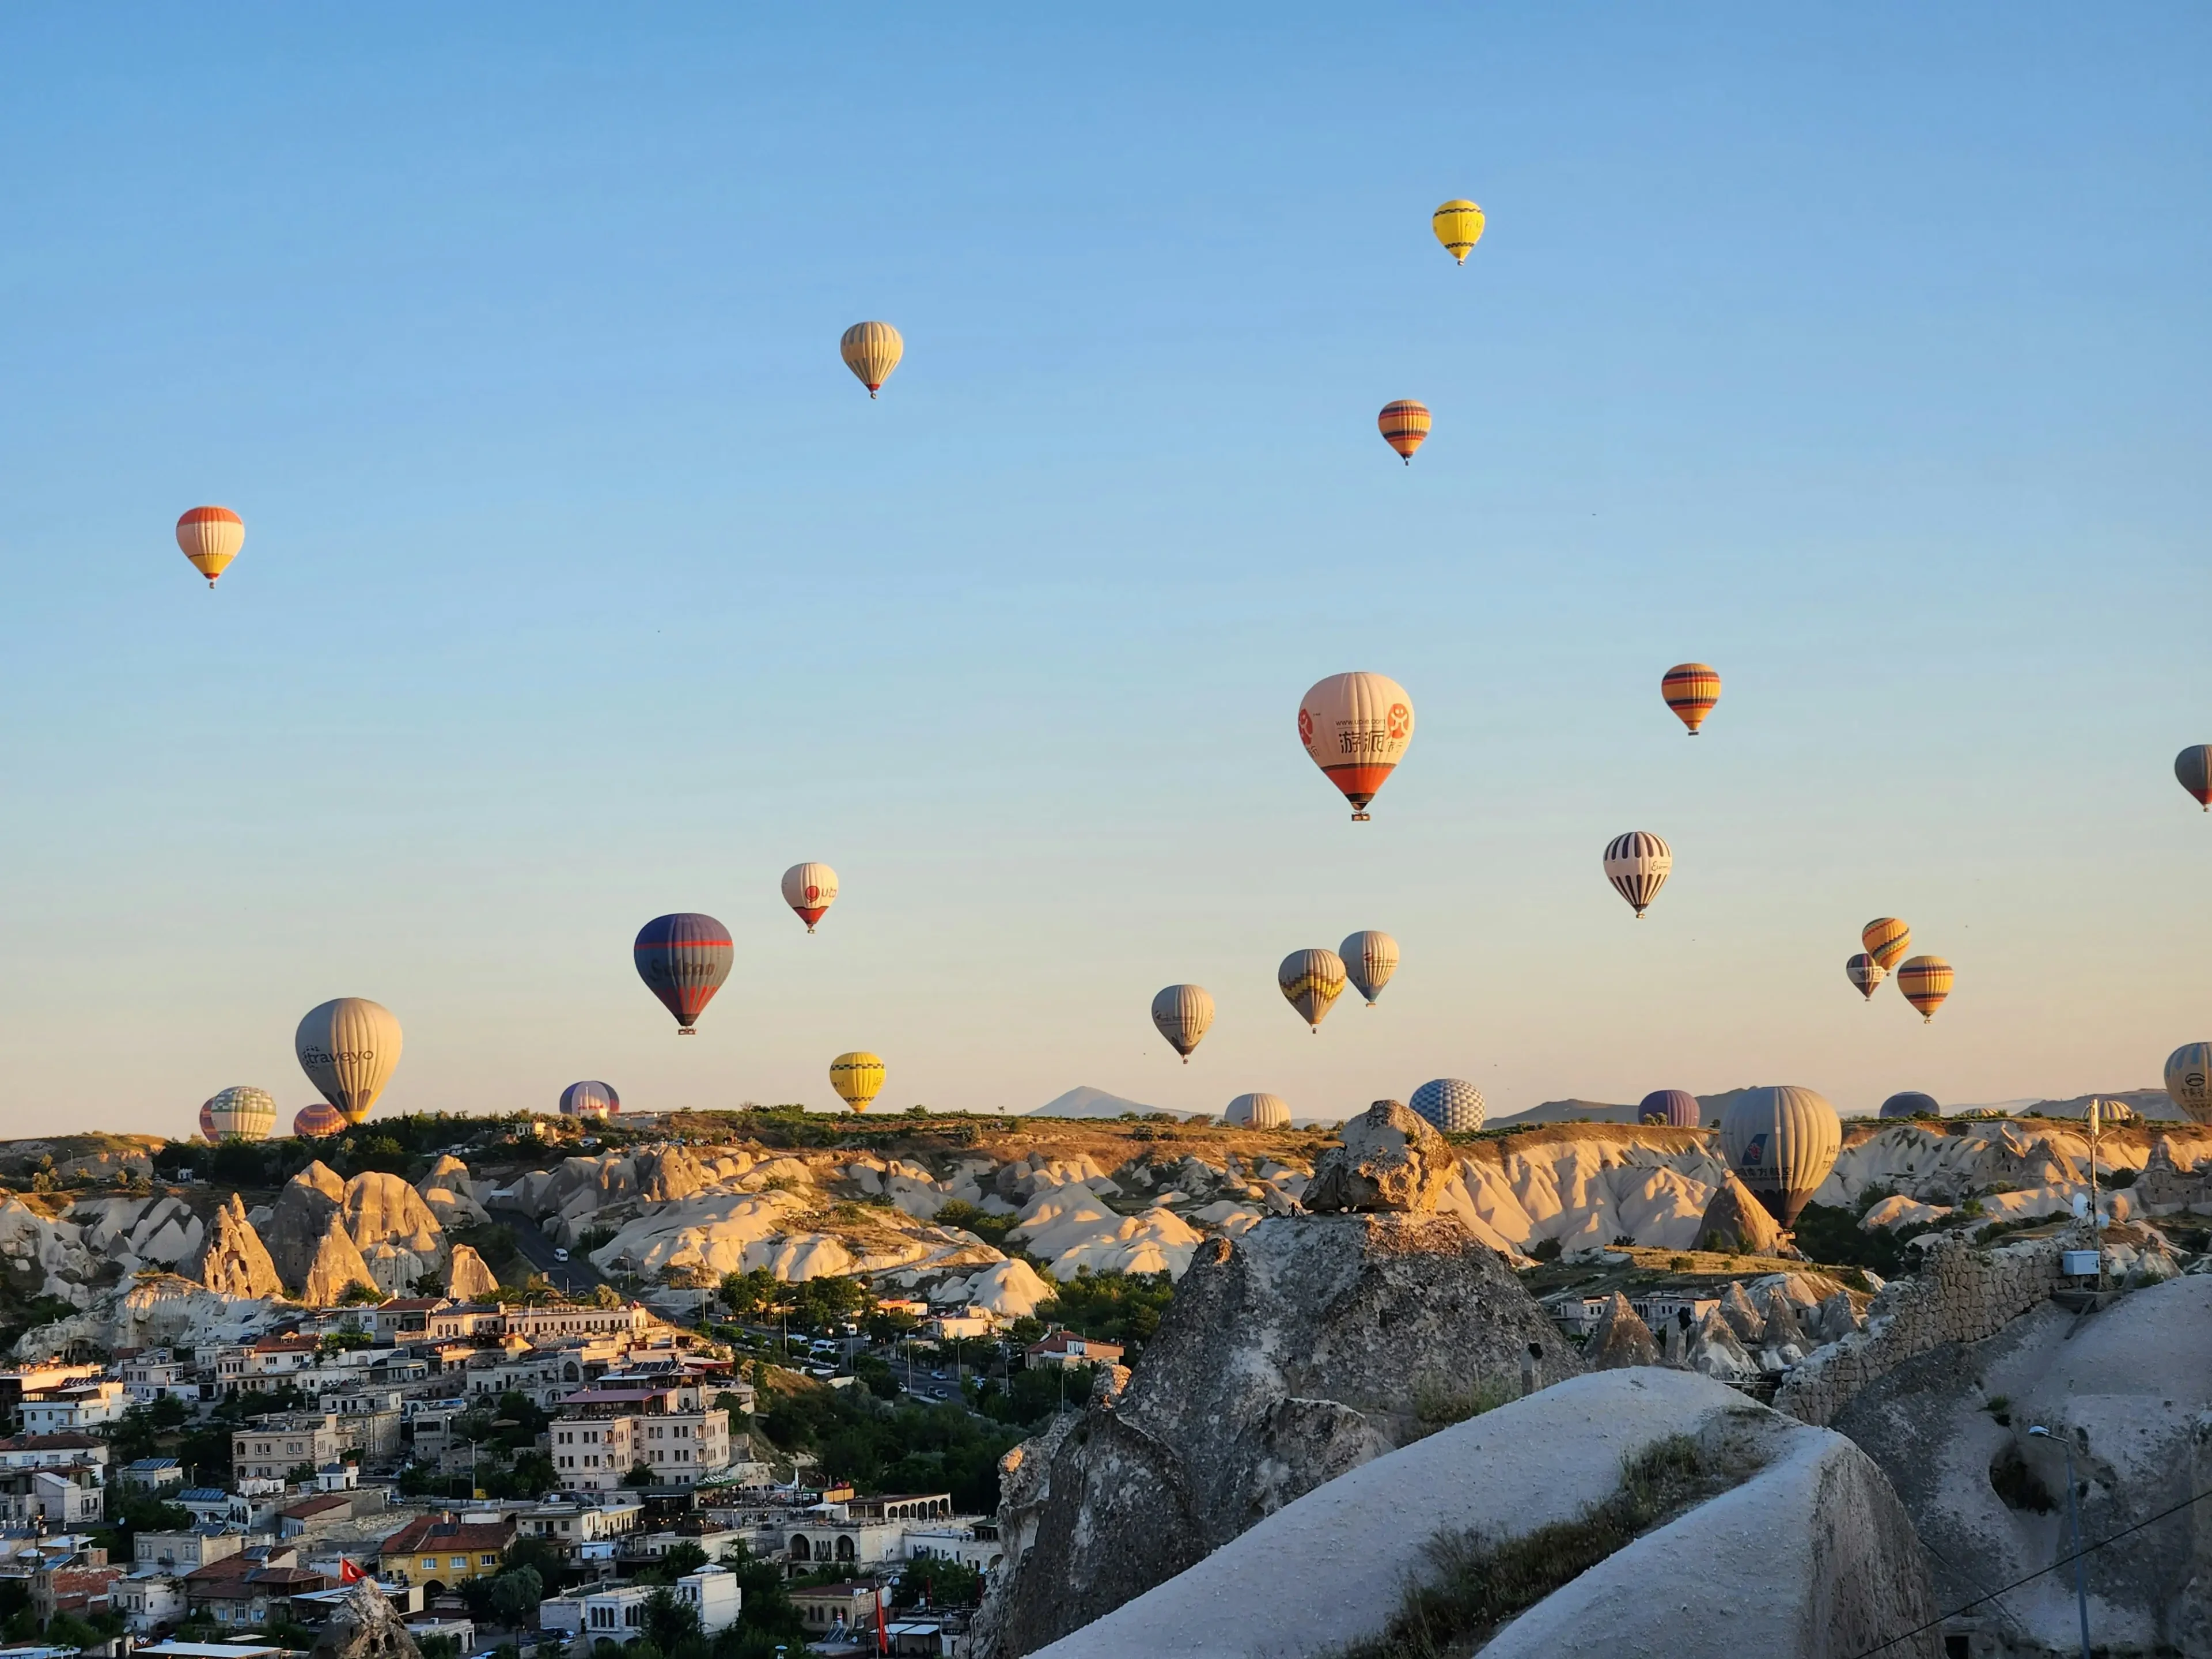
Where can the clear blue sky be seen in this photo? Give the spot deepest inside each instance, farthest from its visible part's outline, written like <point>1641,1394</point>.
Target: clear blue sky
<point>1861,352</point>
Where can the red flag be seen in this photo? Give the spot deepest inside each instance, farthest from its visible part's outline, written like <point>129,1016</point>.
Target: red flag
<point>349,1573</point>
<point>883,1636</point>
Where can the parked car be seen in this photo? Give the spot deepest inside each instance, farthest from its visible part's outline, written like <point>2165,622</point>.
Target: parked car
<point>560,1255</point>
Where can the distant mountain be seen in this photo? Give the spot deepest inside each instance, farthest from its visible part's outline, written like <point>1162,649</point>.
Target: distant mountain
<point>1565,1111</point>
<point>2147,1103</point>
<point>1085,1101</point>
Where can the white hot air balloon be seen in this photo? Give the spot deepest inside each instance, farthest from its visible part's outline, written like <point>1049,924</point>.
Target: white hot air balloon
<point>1182,1013</point>
<point>811,889</point>
<point>1782,1142</point>
<point>1370,959</point>
<point>348,1048</point>
<point>1257,1111</point>
<point>241,1113</point>
<point>1357,728</point>
<point>1638,865</point>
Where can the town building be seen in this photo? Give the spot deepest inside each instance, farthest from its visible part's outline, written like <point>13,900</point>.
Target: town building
<point>63,1498</point>
<point>535,1325</point>
<point>18,1383</point>
<point>75,1407</point>
<point>851,1605</point>
<point>249,1590</point>
<point>31,1451</point>
<point>447,1549</point>
<point>153,1474</point>
<point>154,1374</point>
<point>569,1522</point>
<point>270,1447</point>
<point>145,1597</point>
<point>713,1594</point>
<point>1066,1348</point>
<point>185,1552</point>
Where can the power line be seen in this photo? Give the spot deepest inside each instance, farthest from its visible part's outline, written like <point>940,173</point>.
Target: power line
<point>2064,1560</point>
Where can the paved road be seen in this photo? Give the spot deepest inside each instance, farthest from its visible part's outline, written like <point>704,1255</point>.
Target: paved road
<point>576,1276</point>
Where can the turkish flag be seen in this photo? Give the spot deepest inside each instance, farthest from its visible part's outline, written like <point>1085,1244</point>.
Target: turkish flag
<point>349,1573</point>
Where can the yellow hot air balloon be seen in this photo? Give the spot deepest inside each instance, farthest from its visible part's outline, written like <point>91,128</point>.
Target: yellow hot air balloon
<point>1311,981</point>
<point>872,351</point>
<point>1925,980</point>
<point>1404,425</point>
<point>858,1078</point>
<point>1458,224</point>
<point>1886,940</point>
<point>210,537</point>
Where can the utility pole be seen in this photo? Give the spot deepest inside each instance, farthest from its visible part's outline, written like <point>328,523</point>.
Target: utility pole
<point>2074,1519</point>
<point>2096,1218</point>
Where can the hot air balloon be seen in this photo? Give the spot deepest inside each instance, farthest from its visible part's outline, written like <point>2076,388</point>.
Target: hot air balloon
<point>240,1113</point>
<point>1257,1112</point>
<point>858,1078</point>
<point>1452,1103</point>
<point>1887,940</point>
<point>592,1099</point>
<point>2193,766</point>
<point>1925,980</point>
<point>683,958</point>
<point>1690,690</point>
<point>811,889</point>
<point>1357,728</point>
<point>207,1121</point>
<point>1678,1109</point>
<point>1311,981</point>
<point>318,1121</point>
<point>210,537</point>
<point>2189,1079</point>
<point>1909,1103</point>
<point>1781,1142</point>
<point>1405,426</point>
<point>872,351</point>
<point>349,1048</point>
<point>1865,973</point>
<point>1458,225</point>
<point>1370,959</point>
<point>1182,1013</point>
<point>1638,865</point>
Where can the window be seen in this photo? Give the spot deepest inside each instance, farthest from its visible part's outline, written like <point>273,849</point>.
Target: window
<point>488,1559</point>
<point>429,1564</point>
<point>460,1564</point>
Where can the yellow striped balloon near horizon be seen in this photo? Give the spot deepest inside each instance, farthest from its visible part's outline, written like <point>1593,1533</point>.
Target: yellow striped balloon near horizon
<point>1404,425</point>
<point>872,351</point>
<point>1886,940</point>
<point>858,1078</point>
<point>1458,225</point>
<point>1925,980</point>
<point>210,537</point>
<point>1183,1013</point>
<point>1311,981</point>
<point>1690,690</point>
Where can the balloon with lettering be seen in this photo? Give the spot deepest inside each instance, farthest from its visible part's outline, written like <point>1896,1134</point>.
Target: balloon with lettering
<point>349,1048</point>
<point>1182,1013</point>
<point>1782,1142</point>
<point>1458,225</point>
<point>2193,767</point>
<point>2189,1079</point>
<point>858,1078</point>
<point>872,351</point>
<point>210,537</point>
<point>1311,981</point>
<point>811,889</point>
<point>1865,973</point>
<point>1370,959</point>
<point>1886,940</point>
<point>1690,690</point>
<point>240,1113</point>
<point>318,1121</point>
<point>1638,865</point>
<point>590,1099</point>
<point>1925,980</point>
<point>1405,426</point>
<point>1677,1109</point>
<point>683,958</point>
<point>1357,728</point>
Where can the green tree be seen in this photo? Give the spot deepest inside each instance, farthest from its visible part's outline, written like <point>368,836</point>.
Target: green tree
<point>641,1475</point>
<point>668,1620</point>
<point>682,1558</point>
<point>515,1595</point>
<point>1113,1307</point>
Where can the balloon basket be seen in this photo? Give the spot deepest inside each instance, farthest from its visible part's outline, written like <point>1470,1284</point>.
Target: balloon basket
<point>1360,818</point>
<point>687,1031</point>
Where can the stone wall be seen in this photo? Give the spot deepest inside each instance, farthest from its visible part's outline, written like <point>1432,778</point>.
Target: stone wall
<point>1962,1294</point>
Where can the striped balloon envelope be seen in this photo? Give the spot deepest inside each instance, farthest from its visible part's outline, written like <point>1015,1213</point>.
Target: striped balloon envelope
<point>1690,690</point>
<point>1370,959</point>
<point>318,1121</point>
<point>1458,225</point>
<point>1183,1013</point>
<point>2193,767</point>
<point>240,1113</point>
<point>683,958</point>
<point>858,1078</point>
<point>810,889</point>
<point>207,1121</point>
<point>1357,728</point>
<point>1886,940</point>
<point>1925,980</point>
<point>348,1046</point>
<point>1638,865</point>
<point>872,351</point>
<point>1311,981</point>
<point>590,1099</point>
<point>1257,1111</point>
<point>210,537</point>
<point>1405,426</point>
<point>1865,973</point>
<point>1678,1109</point>
<point>1782,1142</point>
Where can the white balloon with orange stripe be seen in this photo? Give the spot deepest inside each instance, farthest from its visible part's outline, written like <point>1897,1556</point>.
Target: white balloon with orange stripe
<point>810,889</point>
<point>210,537</point>
<point>1357,728</point>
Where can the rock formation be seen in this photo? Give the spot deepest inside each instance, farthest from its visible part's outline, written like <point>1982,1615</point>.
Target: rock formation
<point>300,1218</point>
<point>1621,1338</point>
<point>1737,1222</point>
<point>365,1626</point>
<point>467,1279</point>
<point>399,1238</point>
<point>1387,1159</point>
<point>335,1268</point>
<point>232,1261</point>
<point>1305,1348</point>
<point>451,1194</point>
<point>1718,1352</point>
<point>1803,1551</point>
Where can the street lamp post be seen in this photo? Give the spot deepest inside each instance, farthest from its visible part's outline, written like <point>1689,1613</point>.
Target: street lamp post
<point>2074,1525</point>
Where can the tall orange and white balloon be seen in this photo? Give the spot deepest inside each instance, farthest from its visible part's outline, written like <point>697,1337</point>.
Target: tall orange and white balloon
<point>1183,1013</point>
<point>872,351</point>
<point>1311,981</point>
<point>210,537</point>
<point>811,889</point>
<point>1357,728</point>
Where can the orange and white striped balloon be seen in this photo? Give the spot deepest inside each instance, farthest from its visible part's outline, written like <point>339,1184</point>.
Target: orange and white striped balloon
<point>210,537</point>
<point>1405,426</point>
<point>1357,728</point>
